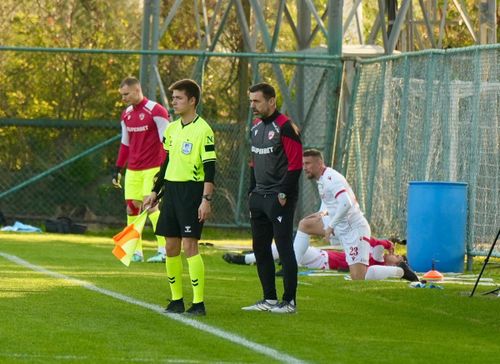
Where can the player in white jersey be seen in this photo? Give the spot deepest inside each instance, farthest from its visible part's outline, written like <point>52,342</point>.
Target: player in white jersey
<point>345,219</point>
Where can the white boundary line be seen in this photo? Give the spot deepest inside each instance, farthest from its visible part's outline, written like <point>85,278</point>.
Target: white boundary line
<point>258,348</point>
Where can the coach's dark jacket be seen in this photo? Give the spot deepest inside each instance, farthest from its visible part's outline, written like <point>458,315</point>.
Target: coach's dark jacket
<point>276,156</point>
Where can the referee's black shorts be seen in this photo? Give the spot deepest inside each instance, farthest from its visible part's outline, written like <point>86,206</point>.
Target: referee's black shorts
<point>179,210</point>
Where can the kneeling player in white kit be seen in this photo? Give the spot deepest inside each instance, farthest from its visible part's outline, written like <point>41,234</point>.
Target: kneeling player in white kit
<point>346,221</point>
<point>381,265</point>
<point>339,219</point>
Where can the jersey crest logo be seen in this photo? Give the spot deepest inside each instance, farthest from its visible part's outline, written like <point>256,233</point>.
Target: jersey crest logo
<point>256,131</point>
<point>141,116</point>
<point>270,135</point>
<point>279,218</point>
<point>187,147</point>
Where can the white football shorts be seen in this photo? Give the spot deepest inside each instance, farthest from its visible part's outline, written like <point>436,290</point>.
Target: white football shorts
<point>356,248</point>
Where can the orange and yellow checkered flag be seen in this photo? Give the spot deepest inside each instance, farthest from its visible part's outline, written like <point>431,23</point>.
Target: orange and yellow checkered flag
<point>126,240</point>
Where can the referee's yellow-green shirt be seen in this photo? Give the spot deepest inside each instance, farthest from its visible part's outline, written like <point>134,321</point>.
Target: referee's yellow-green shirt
<point>188,147</point>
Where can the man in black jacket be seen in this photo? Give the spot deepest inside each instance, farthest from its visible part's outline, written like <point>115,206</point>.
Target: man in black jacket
<point>276,164</point>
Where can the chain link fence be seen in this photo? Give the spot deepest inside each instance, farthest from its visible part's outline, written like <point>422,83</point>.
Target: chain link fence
<point>430,116</point>
<point>58,168</point>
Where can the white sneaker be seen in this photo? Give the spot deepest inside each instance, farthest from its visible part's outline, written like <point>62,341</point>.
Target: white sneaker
<point>284,307</point>
<point>264,305</point>
<point>137,258</point>
<point>158,258</point>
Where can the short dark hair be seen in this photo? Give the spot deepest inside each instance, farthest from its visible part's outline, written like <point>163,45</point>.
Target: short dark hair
<point>266,89</point>
<point>312,153</point>
<point>190,87</point>
<point>129,81</point>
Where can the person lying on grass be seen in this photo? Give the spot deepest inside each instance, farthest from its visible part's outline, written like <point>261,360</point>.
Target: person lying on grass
<point>383,262</point>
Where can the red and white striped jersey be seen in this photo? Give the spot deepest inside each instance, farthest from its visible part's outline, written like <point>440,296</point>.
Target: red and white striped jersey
<point>331,185</point>
<point>143,126</point>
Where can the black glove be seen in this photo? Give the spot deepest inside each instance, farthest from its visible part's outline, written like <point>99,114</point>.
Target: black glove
<point>117,177</point>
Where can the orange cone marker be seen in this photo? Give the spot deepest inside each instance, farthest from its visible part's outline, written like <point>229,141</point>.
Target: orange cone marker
<point>433,275</point>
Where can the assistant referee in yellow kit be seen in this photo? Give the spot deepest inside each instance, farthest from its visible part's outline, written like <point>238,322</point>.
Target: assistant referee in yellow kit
<point>187,177</point>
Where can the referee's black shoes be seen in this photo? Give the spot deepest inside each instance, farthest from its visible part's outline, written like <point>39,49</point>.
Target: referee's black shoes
<point>197,309</point>
<point>175,306</point>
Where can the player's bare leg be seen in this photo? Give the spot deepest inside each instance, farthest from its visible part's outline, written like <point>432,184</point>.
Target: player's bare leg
<point>312,224</point>
<point>357,271</point>
<point>190,246</point>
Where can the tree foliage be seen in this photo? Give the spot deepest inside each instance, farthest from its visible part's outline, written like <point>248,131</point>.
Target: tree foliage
<point>61,85</point>
<point>65,85</point>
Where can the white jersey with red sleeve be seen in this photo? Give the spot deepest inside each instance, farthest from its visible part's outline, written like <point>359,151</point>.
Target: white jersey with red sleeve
<point>143,126</point>
<point>331,185</point>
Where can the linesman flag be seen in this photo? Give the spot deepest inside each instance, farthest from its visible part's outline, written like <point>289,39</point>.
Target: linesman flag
<point>126,240</point>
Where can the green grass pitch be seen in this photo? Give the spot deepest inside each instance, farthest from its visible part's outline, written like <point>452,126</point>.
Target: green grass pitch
<point>66,299</point>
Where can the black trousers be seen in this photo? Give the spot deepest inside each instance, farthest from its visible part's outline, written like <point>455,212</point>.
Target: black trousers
<point>271,220</point>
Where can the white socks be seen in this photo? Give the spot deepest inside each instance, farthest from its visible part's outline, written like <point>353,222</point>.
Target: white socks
<point>300,245</point>
<point>379,272</point>
<point>250,258</point>
<point>314,258</point>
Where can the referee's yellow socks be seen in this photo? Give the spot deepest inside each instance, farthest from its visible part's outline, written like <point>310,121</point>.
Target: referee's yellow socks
<point>197,275</point>
<point>153,217</point>
<point>138,247</point>
<point>174,275</point>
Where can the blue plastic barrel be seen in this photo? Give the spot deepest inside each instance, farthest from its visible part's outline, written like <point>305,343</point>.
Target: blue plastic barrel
<point>436,225</point>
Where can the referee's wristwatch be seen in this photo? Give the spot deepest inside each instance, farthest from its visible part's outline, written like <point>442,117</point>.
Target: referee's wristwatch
<point>282,196</point>
<point>207,197</point>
